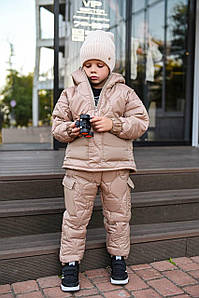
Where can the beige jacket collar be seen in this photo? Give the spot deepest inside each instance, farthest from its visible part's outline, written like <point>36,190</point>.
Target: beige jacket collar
<point>79,76</point>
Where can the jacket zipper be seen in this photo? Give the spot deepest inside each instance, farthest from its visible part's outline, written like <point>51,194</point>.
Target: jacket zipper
<point>103,88</point>
<point>89,86</point>
<point>91,91</point>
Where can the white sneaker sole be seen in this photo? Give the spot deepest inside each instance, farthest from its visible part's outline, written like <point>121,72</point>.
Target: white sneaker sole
<point>119,282</point>
<point>70,289</point>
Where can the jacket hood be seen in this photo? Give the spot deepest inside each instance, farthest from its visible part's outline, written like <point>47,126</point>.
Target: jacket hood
<point>79,76</point>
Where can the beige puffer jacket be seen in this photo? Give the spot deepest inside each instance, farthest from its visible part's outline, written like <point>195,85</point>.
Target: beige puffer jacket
<point>105,151</point>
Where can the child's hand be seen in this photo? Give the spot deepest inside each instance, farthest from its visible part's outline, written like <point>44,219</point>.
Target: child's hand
<point>101,124</point>
<point>73,131</point>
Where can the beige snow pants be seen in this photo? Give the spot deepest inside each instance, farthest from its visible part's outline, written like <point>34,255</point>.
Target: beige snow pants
<point>80,189</point>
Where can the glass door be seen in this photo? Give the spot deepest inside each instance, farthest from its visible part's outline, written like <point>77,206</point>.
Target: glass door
<point>160,67</point>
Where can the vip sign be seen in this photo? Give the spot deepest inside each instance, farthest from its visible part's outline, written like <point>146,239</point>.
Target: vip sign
<point>92,4</point>
<point>91,16</point>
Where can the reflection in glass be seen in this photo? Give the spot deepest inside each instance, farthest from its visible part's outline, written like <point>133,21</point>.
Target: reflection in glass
<point>158,65</point>
<point>151,1</point>
<point>138,4</point>
<point>116,10</point>
<point>176,56</point>
<point>146,57</point>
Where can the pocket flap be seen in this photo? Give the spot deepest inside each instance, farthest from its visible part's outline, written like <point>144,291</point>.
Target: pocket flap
<point>130,183</point>
<point>68,182</point>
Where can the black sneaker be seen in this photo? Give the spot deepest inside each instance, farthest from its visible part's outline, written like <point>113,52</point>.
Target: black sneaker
<point>70,277</point>
<point>119,274</point>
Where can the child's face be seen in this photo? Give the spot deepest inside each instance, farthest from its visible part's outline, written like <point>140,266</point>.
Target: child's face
<point>97,72</point>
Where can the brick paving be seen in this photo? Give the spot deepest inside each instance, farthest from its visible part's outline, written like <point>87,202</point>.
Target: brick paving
<point>179,278</point>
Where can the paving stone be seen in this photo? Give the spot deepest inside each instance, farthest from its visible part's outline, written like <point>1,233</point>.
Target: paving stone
<point>186,264</point>
<point>25,286</point>
<point>96,296</point>
<point>118,293</point>
<point>55,292</point>
<point>128,269</point>
<point>82,275</point>
<point>148,274</point>
<point>180,278</point>
<point>189,266</point>
<point>30,295</point>
<point>99,279</point>
<point>145,294</point>
<point>192,290</point>
<point>182,296</point>
<point>9,295</point>
<point>107,286</point>
<point>163,266</point>
<point>165,287</point>
<point>139,267</point>
<point>85,283</point>
<point>97,272</point>
<point>5,289</point>
<point>135,283</point>
<point>84,292</point>
<point>182,260</point>
<point>49,282</point>
<point>195,273</point>
<point>195,259</point>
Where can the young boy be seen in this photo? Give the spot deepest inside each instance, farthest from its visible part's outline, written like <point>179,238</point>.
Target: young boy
<point>104,160</point>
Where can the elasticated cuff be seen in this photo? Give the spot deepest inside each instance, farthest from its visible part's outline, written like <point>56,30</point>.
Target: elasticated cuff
<point>117,126</point>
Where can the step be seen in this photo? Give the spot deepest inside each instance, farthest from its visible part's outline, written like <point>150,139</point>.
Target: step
<point>31,216</point>
<point>18,187</point>
<point>166,179</point>
<point>34,256</point>
<point>165,206</point>
<point>36,216</point>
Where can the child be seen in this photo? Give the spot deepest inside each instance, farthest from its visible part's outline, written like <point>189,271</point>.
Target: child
<point>104,160</point>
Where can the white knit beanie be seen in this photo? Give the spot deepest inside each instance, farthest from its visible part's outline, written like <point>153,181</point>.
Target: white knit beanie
<point>99,45</point>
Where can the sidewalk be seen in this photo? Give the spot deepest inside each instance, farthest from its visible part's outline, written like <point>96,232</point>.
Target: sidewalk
<point>159,279</point>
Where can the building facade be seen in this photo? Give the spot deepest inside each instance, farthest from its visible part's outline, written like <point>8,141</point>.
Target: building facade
<point>157,46</point>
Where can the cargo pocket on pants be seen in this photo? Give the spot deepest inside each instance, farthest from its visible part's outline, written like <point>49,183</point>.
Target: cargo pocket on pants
<point>69,198</point>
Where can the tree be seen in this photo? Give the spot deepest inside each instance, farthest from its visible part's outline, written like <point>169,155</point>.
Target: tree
<point>16,104</point>
<point>45,103</point>
<point>179,29</point>
<point>177,60</point>
<point>17,96</point>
